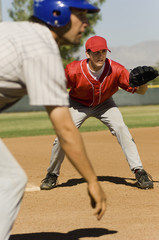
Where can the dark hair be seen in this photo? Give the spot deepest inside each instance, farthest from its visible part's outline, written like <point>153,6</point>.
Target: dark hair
<point>88,51</point>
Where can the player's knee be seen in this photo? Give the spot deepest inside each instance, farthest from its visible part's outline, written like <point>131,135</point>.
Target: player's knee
<point>119,129</point>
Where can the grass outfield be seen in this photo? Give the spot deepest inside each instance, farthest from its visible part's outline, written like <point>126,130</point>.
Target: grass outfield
<point>38,123</point>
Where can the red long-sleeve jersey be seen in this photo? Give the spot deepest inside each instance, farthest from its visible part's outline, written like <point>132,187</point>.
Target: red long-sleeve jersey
<point>90,92</point>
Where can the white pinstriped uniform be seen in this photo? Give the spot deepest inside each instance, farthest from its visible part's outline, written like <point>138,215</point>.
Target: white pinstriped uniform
<point>30,63</point>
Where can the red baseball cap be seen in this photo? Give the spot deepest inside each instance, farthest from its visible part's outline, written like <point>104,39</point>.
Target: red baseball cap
<point>96,43</point>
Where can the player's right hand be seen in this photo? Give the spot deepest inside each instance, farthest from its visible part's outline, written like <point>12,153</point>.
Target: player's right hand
<point>98,199</point>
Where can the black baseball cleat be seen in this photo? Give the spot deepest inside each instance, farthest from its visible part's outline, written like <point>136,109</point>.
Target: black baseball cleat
<point>49,182</point>
<point>144,180</point>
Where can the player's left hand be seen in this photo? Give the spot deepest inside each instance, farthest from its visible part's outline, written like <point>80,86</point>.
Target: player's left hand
<point>141,75</point>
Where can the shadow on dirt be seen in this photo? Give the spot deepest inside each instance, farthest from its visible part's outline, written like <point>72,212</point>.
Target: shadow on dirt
<point>73,235</point>
<point>116,180</point>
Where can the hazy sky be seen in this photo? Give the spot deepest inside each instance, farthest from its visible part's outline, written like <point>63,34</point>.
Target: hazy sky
<point>124,22</point>
<point>127,22</point>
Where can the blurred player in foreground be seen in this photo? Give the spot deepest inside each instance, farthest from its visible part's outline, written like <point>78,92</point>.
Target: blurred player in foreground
<point>92,83</point>
<point>31,64</point>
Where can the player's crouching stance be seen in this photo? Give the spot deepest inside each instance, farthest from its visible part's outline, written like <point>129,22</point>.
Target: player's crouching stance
<point>92,83</point>
<point>31,64</point>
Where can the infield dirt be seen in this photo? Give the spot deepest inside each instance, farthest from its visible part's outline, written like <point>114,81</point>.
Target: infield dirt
<point>64,213</point>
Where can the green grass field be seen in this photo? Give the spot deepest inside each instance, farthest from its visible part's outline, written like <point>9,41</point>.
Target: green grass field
<point>38,123</point>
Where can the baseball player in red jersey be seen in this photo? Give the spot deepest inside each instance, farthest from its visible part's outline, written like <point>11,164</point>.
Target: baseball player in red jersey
<point>31,64</point>
<point>92,83</point>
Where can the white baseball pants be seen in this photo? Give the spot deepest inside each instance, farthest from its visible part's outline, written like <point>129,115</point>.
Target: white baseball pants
<point>12,185</point>
<point>109,114</point>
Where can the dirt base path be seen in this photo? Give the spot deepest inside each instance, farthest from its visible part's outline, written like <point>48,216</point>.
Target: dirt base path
<point>64,212</point>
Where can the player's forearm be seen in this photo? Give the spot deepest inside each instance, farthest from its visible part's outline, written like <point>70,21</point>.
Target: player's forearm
<point>142,89</point>
<point>71,142</point>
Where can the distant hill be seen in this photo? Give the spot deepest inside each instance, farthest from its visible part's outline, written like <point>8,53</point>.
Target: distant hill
<point>144,53</point>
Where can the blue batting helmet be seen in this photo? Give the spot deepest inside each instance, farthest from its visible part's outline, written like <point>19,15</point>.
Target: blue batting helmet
<point>44,9</point>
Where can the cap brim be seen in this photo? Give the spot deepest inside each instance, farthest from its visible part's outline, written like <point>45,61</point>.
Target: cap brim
<point>95,49</point>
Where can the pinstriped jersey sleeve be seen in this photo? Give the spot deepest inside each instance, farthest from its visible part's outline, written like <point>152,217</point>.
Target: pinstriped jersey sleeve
<point>45,81</point>
<point>30,62</point>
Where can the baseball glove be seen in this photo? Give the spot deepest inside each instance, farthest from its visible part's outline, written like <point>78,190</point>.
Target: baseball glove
<point>141,75</point>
